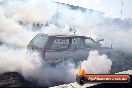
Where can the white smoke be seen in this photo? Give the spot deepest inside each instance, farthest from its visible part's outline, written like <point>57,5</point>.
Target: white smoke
<point>13,56</point>
<point>115,31</point>
<point>31,66</point>
<point>12,33</point>
<point>17,60</point>
<point>90,23</point>
<point>16,36</point>
<point>30,11</point>
<point>55,75</point>
<point>97,64</point>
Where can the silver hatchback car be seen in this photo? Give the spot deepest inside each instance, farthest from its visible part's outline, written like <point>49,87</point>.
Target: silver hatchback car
<point>54,48</point>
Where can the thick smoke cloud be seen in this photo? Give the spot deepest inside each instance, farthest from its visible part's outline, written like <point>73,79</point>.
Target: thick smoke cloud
<point>59,19</point>
<point>12,33</point>
<point>18,20</point>
<point>33,67</point>
<point>18,60</point>
<point>97,64</point>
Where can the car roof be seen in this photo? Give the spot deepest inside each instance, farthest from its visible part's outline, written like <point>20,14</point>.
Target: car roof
<point>63,35</point>
<point>67,36</point>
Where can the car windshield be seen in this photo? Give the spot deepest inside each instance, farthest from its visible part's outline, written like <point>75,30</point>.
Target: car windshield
<point>89,43</point>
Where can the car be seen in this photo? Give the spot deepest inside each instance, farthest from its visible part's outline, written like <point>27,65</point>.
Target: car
<point>54,48</point>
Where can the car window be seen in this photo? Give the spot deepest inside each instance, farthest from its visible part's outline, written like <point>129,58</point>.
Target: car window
<point>90,43</point>
<point>59,44</point>
<point>77,43</point>
<point>40,40</point>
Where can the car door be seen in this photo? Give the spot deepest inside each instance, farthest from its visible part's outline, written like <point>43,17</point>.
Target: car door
<point>58,50</point>
<point>77,49</point>
<point>93,45</point>
<point>87,45</point>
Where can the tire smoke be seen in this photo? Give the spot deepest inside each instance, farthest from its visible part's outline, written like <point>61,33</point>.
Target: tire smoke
<point>97,64</point>
<point>21,20</point>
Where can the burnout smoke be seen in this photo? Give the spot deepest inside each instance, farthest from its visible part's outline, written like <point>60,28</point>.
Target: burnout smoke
<point>97,64</point>
<point>21,20</point>
<point>33,67</point>
<point>17,60</point>
<point>56,17</point>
